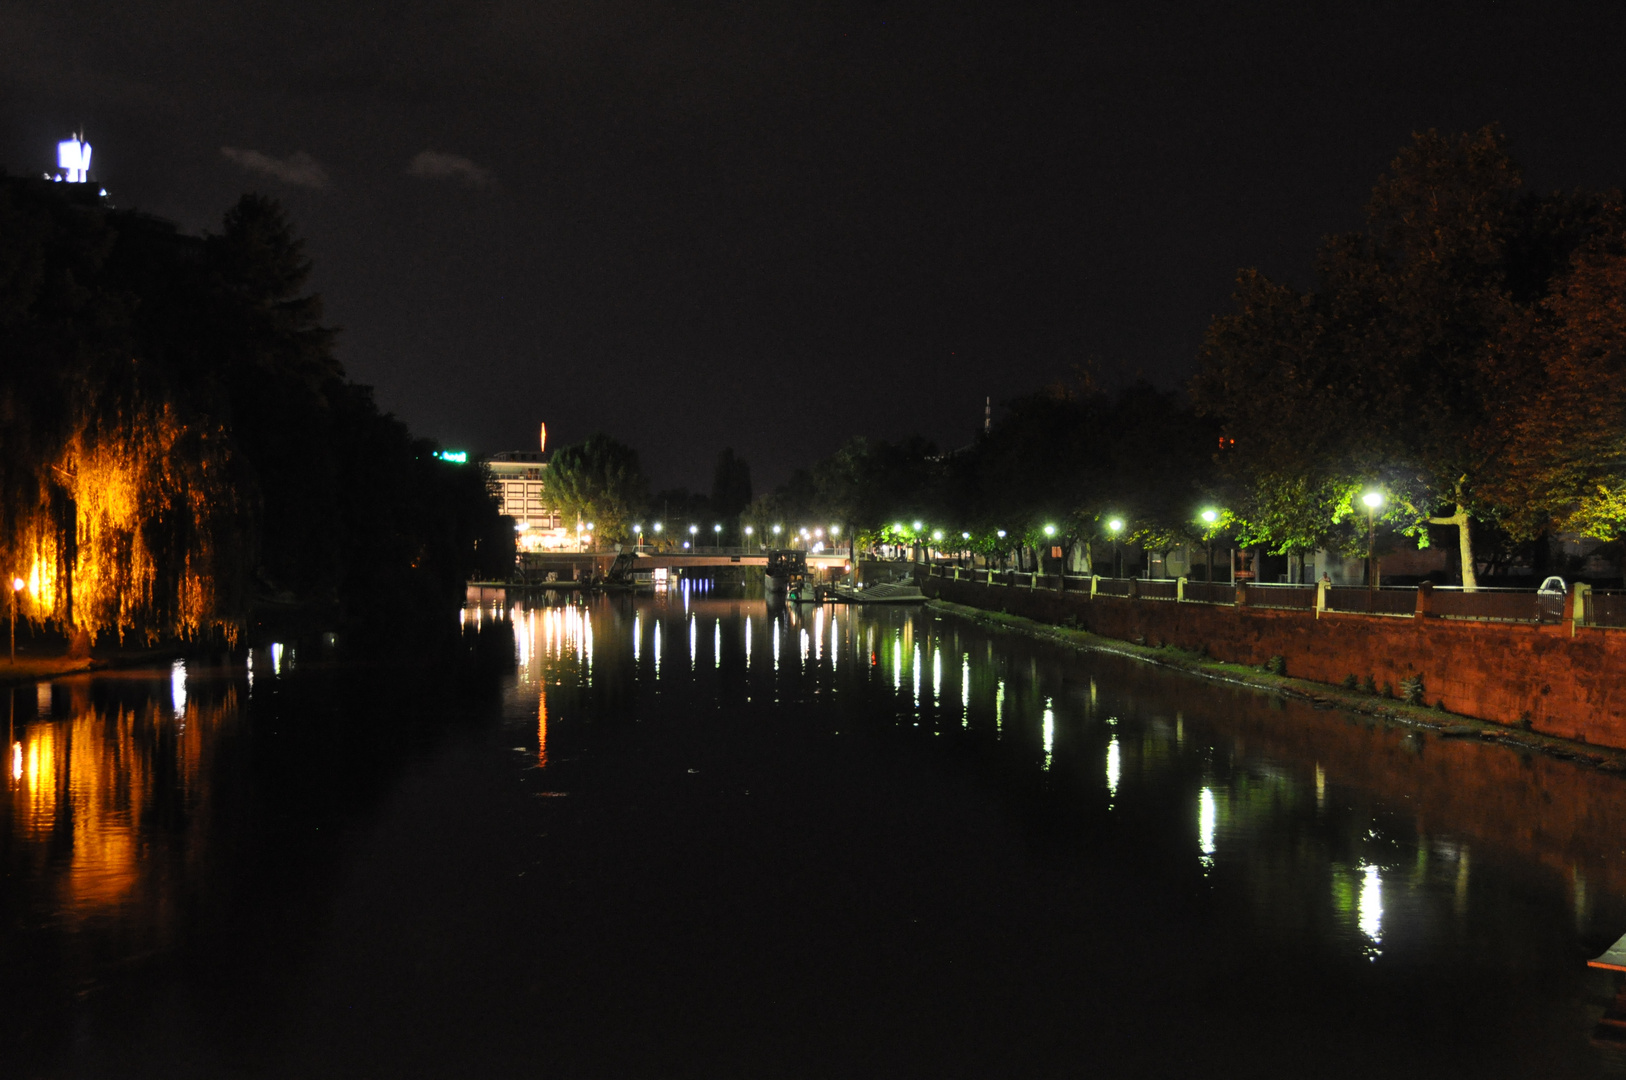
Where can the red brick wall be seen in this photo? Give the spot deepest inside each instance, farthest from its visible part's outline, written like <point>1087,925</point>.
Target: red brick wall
<point>1503,672</point>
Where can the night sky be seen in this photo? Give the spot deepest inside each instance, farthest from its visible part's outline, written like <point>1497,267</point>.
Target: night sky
<point>774,225</point>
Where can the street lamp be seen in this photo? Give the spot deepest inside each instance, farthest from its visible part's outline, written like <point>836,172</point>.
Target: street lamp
<point>16,588</point>
<point>1209,518</point>
<point>1373,500</point>
<point>638,531</point>
<point>1114,526</point>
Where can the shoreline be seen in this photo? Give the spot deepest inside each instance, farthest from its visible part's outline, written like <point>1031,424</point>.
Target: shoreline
<point>1321,695</point>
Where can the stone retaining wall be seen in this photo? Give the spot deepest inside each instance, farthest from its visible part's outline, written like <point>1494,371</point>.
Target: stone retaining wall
<point>1560,680</point>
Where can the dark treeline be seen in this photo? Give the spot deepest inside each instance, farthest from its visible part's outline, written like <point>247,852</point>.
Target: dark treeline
<point>1463,356</point>
<point>181,450</point>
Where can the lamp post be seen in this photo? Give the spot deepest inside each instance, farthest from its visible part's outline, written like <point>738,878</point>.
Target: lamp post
<point>1209,517</point>
<point>717,536</point>
<point>16,588</point>
<point>1373,500</point>
<point>1114,527</point>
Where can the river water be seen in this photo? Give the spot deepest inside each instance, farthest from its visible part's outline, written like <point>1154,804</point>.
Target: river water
<point>687,835</point>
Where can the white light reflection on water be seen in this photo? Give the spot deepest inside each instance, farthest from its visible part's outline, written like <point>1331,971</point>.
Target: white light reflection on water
<point>250,659</point>
<point>805,645</point>
<point>694,631</point>
<point>17,761</point>
<point>655,646</point>
<point>1207,816</point>
<point>776,645</point>
<point>717,644</point>
<point>587,639</point>
<point>276,658</point>
<point>897,664</point>
<point>177,688</point>
<point>834,641</point>
<point>917,667</point>
<point>1114,767</point>
<point>748,641</point>
<point>818,635</point>
<point>1369,909</point>
<point>999,707</point>
<point>937,676</point>
<point>637,639</point>
<point>1320,787</point>
<point>965,691</point>
<point>1050,734</point>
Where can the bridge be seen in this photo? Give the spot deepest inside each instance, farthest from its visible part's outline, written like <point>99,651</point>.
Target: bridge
<point>575,564</point>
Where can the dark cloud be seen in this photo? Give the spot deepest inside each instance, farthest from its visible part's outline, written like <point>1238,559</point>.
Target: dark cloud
<point>298,168</point>
<point>438,166</point>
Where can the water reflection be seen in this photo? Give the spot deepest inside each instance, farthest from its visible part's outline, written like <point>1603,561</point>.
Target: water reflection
<point>87,781</point>
<point>1347,842</point>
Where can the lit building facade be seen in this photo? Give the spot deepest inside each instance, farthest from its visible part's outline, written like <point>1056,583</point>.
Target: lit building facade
<point>519,480</point>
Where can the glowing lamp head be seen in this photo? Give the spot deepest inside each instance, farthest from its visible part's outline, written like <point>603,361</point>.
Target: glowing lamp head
<point>917,526</point>
<point>835,530</point>
<point>637,528</point>
<point>716,528</point>
<point>1210,517</point>
<point>1002,534</point>
<point>17,584</point>
<point>776,530</point>
<point>1115,524</point>
<point>749,530</point>
<point>1050,530</point>
<point>658,526</point>
<point>965,536</point>
<point>1372,499</point>
<point>818,532</point>
<point>589,526</point>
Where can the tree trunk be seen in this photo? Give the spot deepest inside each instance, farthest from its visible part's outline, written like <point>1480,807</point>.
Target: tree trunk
<point>1465,542</point>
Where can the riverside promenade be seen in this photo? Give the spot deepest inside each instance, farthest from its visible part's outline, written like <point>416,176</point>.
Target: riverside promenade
<point>1561,677</point>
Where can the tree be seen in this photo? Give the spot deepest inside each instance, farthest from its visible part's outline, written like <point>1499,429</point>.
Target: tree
<point>598,481</point>
<point>730,487</point>
<point>1388,373</point>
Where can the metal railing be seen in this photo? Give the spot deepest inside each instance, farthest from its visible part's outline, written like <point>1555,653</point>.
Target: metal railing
<point>1496,605</point>
<point>1599,608</point>
<point>1292,597</point>
<point>1603,607</point>
<point>1210,592</point>
<point>1159,589</point>
<point>1381,601</point>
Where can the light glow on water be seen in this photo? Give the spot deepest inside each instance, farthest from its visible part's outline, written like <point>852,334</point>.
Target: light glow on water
<point>937,676</point>
<point>999,707</point>
<point>748,641</point>
<point>818,635</point>
<point>276,658</point>
<point>694,631</point>
<point>637,638</point>
<point>717,644</point>
<point>1369,909</point>
<point>655,646</point>
<point>965,691</point>
<point>917,666</point>
<point>1050,734</point>
<point>776,645</point>
<point>897,664</point>
<point>1207,816</point>
<point>177,688</point>
<point>1114,767</point>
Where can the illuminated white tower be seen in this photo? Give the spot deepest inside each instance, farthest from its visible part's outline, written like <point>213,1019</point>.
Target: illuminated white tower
<point>73,158</point>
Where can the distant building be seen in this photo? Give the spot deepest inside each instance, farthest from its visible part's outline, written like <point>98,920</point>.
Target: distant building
<point>519,480</point>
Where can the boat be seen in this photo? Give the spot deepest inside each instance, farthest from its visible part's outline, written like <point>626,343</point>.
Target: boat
<point>886,592</point>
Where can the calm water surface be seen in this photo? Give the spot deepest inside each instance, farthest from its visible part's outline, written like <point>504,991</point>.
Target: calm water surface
<point>686,835</point>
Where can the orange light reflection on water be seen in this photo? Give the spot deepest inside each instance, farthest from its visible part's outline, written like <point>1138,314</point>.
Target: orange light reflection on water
<point>82,789</point>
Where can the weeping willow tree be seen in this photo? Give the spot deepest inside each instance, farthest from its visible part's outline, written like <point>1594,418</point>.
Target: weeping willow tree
<point>175,434</point>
